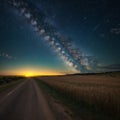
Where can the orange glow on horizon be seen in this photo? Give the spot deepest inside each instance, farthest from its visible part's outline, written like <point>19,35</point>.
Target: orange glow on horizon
<point>32,72</point>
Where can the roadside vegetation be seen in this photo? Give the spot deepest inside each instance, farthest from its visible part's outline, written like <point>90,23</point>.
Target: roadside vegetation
<point>9,81</point>
<point>90,97</point>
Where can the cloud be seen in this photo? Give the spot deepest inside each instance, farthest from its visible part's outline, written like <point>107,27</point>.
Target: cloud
<point>111,67</point>
<point>7,56</point>
<point>115,31</point>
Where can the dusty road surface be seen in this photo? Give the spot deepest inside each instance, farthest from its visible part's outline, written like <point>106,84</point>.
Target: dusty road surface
<point>25,102</point>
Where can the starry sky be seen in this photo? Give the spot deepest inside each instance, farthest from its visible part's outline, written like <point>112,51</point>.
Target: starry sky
<point>49,37</point>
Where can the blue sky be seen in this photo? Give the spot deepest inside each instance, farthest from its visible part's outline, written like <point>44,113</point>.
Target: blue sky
<point>92,27</point>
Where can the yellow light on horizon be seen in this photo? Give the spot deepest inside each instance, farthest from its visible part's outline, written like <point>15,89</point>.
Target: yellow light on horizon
<point>48,73</point>
<point>32,72</point>
<point>29,74</point>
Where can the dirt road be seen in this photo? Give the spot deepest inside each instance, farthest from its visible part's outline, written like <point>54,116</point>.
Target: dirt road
<point>25,102</point>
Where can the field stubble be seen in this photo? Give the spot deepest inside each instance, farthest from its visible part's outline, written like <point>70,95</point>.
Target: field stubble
<point>96,91</point>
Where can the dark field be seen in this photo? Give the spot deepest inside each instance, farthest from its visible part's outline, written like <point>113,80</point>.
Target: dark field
<point>90,97</point>
<point>9,81</point>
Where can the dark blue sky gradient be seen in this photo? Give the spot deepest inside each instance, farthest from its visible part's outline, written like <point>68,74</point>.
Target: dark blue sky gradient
<point>92,25</point>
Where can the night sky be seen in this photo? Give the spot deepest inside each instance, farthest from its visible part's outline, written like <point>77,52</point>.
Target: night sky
<point>49,37</point>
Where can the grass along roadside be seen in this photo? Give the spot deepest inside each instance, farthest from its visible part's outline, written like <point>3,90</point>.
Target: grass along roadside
<point>80,109</point>
<point>9,85</point>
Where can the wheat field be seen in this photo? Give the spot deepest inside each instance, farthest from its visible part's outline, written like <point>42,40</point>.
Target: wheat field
<point>100,91</point>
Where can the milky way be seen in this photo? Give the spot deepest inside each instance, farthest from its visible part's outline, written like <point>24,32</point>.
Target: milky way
<point>71,55</point>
